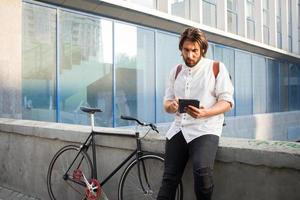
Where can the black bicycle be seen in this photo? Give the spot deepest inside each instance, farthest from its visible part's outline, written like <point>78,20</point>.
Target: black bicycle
<point>72,174</point>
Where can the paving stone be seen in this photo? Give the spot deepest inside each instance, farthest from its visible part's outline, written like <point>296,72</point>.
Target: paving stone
<point>9,194</point>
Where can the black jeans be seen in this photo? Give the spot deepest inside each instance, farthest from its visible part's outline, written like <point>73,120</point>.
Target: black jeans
<point>202,152</point>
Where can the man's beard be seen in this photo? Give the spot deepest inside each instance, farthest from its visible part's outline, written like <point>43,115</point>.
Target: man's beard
<point>191,65</point>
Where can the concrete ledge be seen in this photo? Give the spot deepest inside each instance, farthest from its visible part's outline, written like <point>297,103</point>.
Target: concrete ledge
<point>26,148</point>
<point>249,151</point>
<point>266,126</point>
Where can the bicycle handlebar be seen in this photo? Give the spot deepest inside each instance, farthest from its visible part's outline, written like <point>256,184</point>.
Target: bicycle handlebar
<point>152,126</point>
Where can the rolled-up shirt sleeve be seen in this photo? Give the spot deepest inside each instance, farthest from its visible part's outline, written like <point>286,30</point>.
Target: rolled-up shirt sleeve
<point>224,87</point>
<point>169,92</point>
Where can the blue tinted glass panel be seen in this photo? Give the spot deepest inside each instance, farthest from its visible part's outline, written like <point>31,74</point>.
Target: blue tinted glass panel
<point>167,57</point>
<point>210,51</point>
<point>294,87</point>
<point>259,74</point>
<point>284,86</point>
<point>85,67</point>
<point>135,91</point>
<point>226,55</point>
<point>38,63</point>
<point>243,83</point>
<point>273,86</point>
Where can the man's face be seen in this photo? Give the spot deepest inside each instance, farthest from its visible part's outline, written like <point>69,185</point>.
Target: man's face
<point>191,53</point>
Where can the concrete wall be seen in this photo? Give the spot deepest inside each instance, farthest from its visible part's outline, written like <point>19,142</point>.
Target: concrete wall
<point>269,126</point>
<point>283,126</point>
<point>245,169</point>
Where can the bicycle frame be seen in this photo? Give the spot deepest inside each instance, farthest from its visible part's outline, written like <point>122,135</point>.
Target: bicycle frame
<point>90,141</point>
<point>141,169</point>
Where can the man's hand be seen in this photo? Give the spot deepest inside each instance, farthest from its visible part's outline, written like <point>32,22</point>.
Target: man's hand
<point>220,107</point>
<point>196,112</point>
<point>171,106</point>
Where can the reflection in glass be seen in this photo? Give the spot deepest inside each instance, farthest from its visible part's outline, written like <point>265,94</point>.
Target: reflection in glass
<point>134,52</point>
<point>146,3</point>
<point>232,22</point>
<point>284,87</point>
<point>266,35</point>
<point>209,14</point>
<point>259,74</point>
<point>278,24</point>
<point>232,5</point>
<point>167,57</point>
<point>250,29</point>
<point>266,22</point>
<point>250,8</point>
<point>85,68</point>
<point>232,16</point>
<point>180,8</point>
<point>294,87</point>
<point>38,63</point>
<point>226,55</point>
<point>273,86</point>
<point>210,51</point>
<point>279,40</point>
<point>243,82</point>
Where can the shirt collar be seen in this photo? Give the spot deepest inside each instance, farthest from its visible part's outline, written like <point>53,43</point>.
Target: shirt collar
<point>196,67</point>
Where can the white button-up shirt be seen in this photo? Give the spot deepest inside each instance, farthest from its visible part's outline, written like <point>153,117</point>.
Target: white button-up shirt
<point>199,82</point>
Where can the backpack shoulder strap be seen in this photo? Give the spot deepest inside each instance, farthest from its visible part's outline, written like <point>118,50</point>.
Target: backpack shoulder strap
<point>179,68</point>
<point>216,68</point>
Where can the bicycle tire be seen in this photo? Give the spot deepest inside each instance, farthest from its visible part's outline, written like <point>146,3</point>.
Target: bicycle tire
<point>56,185</point>
<point>129,184</point>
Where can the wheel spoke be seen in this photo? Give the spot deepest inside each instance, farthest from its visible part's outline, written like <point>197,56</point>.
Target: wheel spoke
<point>58,187</point>
<point>130,187</point>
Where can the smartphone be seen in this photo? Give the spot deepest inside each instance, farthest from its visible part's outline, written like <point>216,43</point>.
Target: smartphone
<point>186,102</point>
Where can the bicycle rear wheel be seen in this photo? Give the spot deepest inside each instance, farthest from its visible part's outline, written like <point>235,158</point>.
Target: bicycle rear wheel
<point>151,169</point>
<point>62,185</point>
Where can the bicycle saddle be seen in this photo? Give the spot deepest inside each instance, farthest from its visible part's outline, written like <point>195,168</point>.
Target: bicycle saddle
<point>90,110</point>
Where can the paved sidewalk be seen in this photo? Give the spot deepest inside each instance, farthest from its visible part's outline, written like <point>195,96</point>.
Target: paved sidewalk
<point>8,194</point>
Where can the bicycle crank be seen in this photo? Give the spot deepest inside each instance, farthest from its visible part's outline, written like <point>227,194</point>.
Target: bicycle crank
<point>93,190</point>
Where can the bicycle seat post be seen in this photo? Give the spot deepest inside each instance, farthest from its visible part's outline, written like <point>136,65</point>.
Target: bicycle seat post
<point>92,121</point>
<point>136,131</point>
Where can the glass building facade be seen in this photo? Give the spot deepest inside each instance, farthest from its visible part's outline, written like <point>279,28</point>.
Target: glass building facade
<point>73,59</point>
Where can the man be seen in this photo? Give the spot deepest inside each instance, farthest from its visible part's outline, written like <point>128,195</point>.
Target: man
<point>195,134</point>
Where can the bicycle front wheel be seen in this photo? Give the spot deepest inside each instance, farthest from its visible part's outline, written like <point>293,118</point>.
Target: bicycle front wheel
<point>63,184</point>
<point>133,187</point>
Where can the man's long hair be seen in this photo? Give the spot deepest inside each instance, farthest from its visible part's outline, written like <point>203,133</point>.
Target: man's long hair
<point>194,35</point>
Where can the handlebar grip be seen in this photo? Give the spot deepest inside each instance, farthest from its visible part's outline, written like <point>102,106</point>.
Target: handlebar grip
<point>153,127</point>
<point>132,119</point>
<point>127,118</point>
